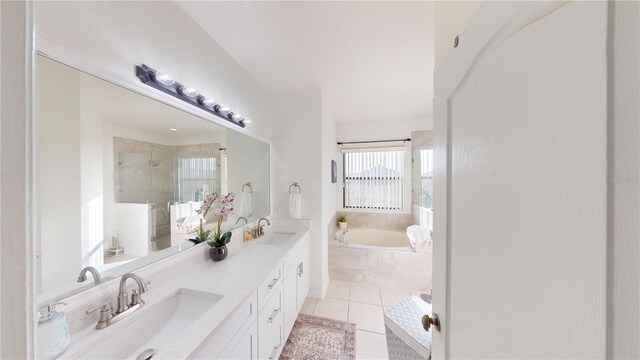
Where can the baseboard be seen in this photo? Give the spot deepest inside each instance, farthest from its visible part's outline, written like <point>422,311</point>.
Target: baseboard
<point>316,294</point>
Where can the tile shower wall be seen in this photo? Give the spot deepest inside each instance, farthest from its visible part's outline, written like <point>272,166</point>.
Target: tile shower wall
<point>132,171</point>
<point>388,221</point>
<point>146,172</point>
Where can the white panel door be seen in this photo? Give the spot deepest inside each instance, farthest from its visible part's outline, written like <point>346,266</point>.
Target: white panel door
<point>521,128</point>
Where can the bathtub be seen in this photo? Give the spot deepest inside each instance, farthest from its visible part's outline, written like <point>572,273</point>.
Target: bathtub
<point>382,257</point>
<point>377,238</point>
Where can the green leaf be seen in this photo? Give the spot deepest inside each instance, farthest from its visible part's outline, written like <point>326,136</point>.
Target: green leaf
<point>225,238</point>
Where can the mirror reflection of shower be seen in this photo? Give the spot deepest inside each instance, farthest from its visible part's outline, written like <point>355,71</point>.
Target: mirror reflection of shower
<point>162,176</point>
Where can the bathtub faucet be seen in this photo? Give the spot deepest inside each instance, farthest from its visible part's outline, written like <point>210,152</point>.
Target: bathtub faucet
<point>342,236</point>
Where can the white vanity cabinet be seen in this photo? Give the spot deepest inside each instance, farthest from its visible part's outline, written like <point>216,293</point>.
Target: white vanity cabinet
<point>229,338</point>
<point>244,346</point>
<point>296,283</point>
<point>259,328</point>
<point>270,326</point>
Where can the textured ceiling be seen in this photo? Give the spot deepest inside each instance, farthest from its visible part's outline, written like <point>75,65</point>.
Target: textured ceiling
<point>374,60</point>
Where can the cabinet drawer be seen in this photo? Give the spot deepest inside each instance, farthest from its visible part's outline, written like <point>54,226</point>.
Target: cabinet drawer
<point>270,344</point>
<point>271,312</point>
<point>269,285</point>
<point>246,312</point>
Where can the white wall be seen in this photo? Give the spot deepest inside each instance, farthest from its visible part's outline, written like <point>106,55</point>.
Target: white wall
<point>15,178</point>
<point>91,168</point>
<point>451,18</point>
<point>248,161</point>
<point>364,131</point>
<point>119,35</point>
<point>297,157</point>
<point>623,312</point>
<point>57,165</point>
<point>330,190</point>
<point>0,208</point>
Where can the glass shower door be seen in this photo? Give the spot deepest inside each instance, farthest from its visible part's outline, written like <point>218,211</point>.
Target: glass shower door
<point>162,165</point>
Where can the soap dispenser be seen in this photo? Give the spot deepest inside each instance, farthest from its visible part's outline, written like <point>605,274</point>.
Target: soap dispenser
<point>52,336</point>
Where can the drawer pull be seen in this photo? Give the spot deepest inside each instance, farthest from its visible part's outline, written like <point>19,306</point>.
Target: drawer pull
<point>274,352</point>
<point>273,282</point>
<point>273,315</point>
<point>300,269</point>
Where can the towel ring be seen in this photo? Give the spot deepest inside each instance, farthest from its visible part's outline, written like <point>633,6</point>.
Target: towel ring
<point>249,186</point>
<point>295,185</point>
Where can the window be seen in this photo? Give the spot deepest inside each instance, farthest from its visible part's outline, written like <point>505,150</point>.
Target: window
<point>426,176</point>
<point>373,179</point>
<point>197,177</point>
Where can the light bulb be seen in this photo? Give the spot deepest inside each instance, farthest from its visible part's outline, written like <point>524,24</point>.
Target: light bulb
<point>247,120</point>
<point>209,102</point>
<point>237,117</point>
<point>223,108</point>
<point>189,91</point>
<point>164,78</point>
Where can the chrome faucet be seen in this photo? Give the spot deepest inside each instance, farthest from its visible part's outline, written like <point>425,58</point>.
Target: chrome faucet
<point>135,294</point>
<point>242,218</point>
<point>94,272</point>
<point>259,230</point>
<point>107,316</point>
<point>342,236</point>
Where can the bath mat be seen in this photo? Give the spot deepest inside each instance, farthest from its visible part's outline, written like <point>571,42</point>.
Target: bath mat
<point>317,338</point>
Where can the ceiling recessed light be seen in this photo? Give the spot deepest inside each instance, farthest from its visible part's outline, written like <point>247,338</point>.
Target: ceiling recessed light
<point>173,129</point>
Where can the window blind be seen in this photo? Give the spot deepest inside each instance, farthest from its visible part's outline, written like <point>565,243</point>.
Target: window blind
<point>373,179</point>
<point>197,176</point>
<point>426,172</point>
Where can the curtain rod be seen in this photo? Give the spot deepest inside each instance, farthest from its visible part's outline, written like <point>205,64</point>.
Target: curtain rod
<point>372,141</point>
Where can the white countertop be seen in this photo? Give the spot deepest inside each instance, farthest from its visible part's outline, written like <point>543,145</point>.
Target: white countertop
<point>235,278</point>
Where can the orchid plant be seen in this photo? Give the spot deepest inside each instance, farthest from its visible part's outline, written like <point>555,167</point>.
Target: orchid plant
<point>222,207</point>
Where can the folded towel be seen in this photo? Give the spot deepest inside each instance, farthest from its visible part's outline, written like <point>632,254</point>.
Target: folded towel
<point>295,205</point>
<point>420,239</point>
<point>245,207</point>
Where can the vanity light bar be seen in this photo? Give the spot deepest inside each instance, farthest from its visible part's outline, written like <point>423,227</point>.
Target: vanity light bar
<point>189,95</point>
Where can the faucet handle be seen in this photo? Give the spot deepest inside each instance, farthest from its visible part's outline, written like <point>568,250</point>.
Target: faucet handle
<point>102,308</point>
<point>106,314</point>
<point>135,297</point>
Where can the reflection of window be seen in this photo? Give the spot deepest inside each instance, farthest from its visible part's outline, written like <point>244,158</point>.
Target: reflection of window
<point>426,176</point>
<point>374,179</point>
<point>196,177</point>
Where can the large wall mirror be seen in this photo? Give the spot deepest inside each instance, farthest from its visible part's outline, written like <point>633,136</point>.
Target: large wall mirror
<point>119,177</point>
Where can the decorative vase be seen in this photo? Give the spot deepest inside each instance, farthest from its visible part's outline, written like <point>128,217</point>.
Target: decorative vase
<point>218,253</point>
<point>343,225</point>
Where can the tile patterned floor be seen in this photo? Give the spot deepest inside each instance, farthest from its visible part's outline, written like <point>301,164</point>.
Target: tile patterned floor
<point>362,304</point>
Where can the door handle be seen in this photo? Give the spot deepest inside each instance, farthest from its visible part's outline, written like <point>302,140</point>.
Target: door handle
<point>434,320</point>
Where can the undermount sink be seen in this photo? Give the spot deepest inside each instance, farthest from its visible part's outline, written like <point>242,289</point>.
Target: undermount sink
<point>157,326</point>
<point>277,238</point>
